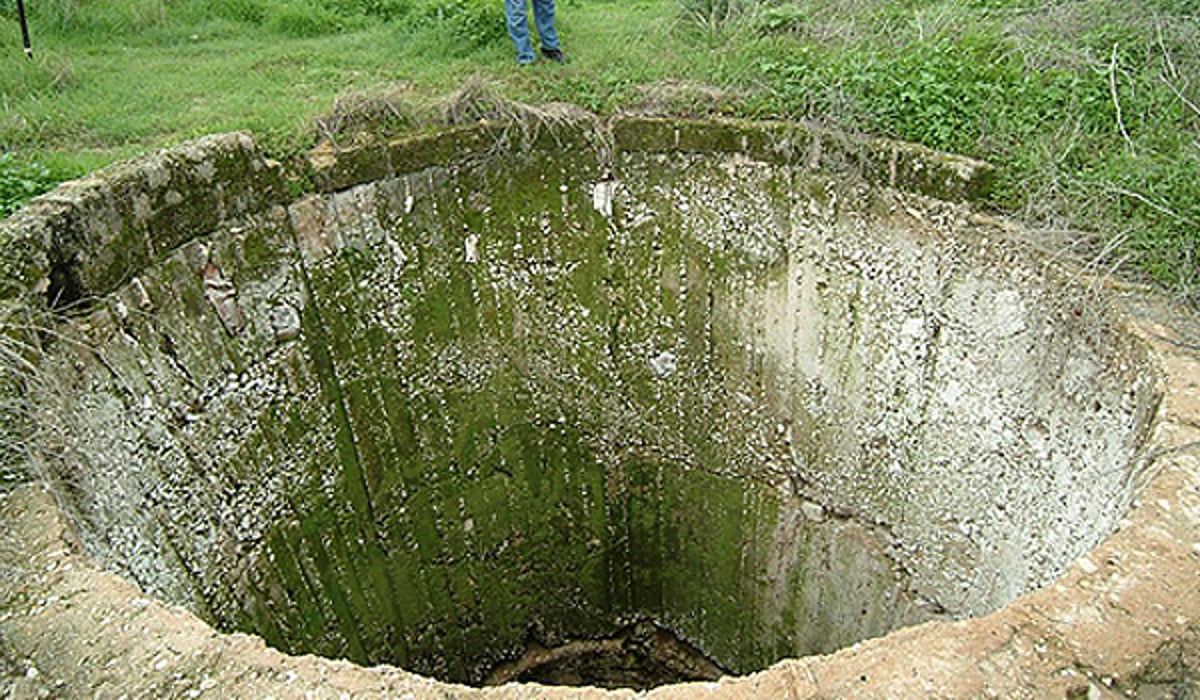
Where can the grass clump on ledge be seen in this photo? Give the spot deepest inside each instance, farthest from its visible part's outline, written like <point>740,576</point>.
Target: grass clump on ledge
<point>1091,109</point>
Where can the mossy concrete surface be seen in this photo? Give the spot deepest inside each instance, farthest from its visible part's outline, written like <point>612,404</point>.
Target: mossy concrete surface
<point>747,381</point>
<point>96,233</point>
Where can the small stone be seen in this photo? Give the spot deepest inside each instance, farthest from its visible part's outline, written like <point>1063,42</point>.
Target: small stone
<point>602,197</point>
<point>285,322</point>
<point>664,364</point>
<point>813,511</point>
<point>222,294</point>
<point>471,248</point>
<point>140,294</point>
<point>1087,566</point>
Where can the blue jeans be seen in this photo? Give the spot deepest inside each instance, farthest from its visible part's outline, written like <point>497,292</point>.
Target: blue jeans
<point>518,26</point>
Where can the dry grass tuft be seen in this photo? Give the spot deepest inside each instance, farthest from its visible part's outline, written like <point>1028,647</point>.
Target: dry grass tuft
<point>399,109</point>
<point>477,100</point>
<point>481,101</point>
<point>389,108</point>
<point>19,354</point>
<point>683,98</point>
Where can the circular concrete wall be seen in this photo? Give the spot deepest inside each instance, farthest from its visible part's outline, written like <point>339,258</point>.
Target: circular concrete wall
<point>480,393</point>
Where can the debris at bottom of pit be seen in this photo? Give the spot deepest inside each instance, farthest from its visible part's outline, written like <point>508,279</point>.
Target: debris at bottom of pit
<point>640,656</point>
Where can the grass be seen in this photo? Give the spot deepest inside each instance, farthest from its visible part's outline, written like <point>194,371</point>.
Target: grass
<point>19,354</point>
<point>1089,107</point>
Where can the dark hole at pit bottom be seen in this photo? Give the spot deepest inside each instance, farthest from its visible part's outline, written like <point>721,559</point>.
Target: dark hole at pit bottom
<point>640,656</point>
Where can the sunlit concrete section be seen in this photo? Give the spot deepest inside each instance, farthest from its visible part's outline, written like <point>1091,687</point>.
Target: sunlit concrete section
<point>626,404</point>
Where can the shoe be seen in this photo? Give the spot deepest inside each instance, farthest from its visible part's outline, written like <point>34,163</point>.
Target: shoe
<point>555,55</point>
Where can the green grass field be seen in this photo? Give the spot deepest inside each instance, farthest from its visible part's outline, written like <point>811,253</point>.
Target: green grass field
<point>1090,108</point>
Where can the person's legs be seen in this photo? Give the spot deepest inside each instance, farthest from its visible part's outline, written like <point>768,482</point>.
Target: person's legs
<point>518,28</point>
<point>543,19</point>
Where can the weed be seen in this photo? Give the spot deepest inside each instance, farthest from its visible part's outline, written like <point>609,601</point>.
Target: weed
<point>470,23</point>
<point>718,21</point>
<point>480,100</point>
<point>1089,110</point>
<point>20,182</point>
<point>378,111</point>
<point>302,20</point>
<point>785,18</point>
<point>383,10</point>
<point>681,98</point>
<point>47,75</point>
<point>252,12</point>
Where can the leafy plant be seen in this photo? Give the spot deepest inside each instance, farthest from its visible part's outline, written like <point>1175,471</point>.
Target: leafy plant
<point>301,19</point>
<point>386,10</point>
<point>470,23</point>
<point>252,12</point>
<point>782,18</point>
<point>21,182</point>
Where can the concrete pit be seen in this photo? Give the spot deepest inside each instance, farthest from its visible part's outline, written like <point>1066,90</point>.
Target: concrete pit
<point>491,404</point>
